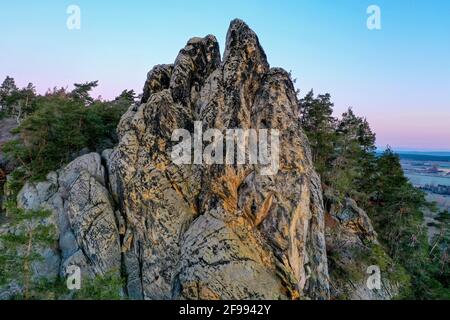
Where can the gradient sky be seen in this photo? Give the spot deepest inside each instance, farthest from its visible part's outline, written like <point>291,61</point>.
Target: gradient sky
<point>397,77</point>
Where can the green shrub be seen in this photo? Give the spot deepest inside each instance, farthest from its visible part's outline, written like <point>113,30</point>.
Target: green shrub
<point>19,249</point>
<point>106,287</point>
<point>59,128</point>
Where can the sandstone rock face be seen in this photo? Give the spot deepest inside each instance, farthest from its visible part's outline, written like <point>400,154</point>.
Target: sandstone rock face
<point>83,213</point>
<point>352,247</point>
<point>218,231</point>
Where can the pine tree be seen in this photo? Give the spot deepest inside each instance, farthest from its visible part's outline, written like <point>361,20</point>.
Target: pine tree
<point>127,96</point>
<point>14,102</point>
<point>20,248</point>
<point>354,159</point>
<point>81,92</point>
<point>7,97</point>
<point>440,251</point>
<point>317,122</point>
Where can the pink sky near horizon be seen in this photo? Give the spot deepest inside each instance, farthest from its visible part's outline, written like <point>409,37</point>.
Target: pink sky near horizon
<point>405,132</point>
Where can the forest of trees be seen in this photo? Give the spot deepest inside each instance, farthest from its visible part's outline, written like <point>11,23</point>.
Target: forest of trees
<point>345,156</point>
<point>52,129</point>
<point>55,127</point>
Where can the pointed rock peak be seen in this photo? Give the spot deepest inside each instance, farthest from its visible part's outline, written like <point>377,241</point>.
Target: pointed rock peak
<point>158,79</point>
<point>193,65</point>
<point>212,51</point>
<point>199,40</point>
<point>238,24</point>
<point>207,47</point>
<point>244,43</point>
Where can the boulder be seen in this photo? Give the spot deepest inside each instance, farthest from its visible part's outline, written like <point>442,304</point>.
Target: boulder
<point>352,247</point>
<point>83,215</point>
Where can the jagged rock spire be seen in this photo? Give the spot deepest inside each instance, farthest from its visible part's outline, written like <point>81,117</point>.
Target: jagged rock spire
<point>198,231</point>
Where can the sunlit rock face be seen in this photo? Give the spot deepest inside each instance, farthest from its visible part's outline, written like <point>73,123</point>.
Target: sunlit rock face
<point>218,231</point>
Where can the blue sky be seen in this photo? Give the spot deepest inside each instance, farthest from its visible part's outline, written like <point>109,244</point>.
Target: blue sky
<point>398,77</point>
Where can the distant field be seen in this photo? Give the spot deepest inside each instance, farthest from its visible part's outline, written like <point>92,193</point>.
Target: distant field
<point>443,202</point>
<point>439,159</point>
<point>429,153</point>
<point>443,156</point>
<point>429,159</point>
<point>423,160</point>
<point>425,157</point>
<point>419,179</point>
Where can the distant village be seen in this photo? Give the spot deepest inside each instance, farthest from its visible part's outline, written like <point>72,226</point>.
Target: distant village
<point>430,174</point>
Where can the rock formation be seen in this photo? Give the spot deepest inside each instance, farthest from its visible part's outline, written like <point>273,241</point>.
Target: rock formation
<point>352,247</point>
<point>198,231</point>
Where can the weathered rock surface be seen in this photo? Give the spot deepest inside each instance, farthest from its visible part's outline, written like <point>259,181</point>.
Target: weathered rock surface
<point>352,247</point>
<point>83,216</point>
